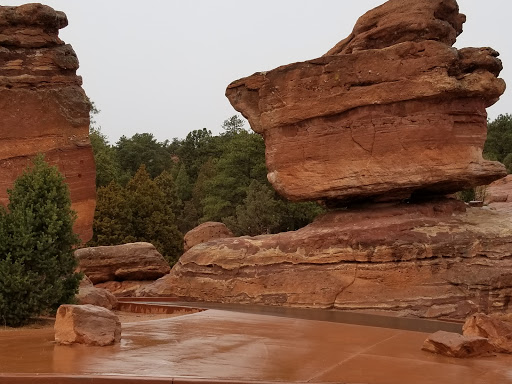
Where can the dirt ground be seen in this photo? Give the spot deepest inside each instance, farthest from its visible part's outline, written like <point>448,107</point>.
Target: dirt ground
<point>45,322</point>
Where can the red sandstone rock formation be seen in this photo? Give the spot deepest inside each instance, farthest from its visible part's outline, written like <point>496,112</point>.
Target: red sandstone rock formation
<point>391,110</point>
<point>89,294</point>
<point>498,329</point>
<point>43,107</point>
<point>86,324</point>
<point>206,232</point>
<point>133,261</point>
<point>435,259</point>
<point>455,345</point>
<point>126,288</point>
<point>500,191</point>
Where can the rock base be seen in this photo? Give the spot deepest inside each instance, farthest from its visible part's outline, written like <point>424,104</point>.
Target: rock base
<point>434,259</point>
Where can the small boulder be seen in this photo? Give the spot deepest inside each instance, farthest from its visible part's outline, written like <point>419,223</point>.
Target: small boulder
<point>86,324</point>
<point>96,296</point>
<point>205,232</point>
<point>498,331</point>
<point>455,345</point>
<point>500,191</point>
<point>133,261</point>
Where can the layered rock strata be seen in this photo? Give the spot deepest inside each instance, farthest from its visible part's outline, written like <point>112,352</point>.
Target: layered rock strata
<point>205,232</point>
<point>390,111</point>
<point>122,269</point>
<point>435,259</point>
<point>43,108</point>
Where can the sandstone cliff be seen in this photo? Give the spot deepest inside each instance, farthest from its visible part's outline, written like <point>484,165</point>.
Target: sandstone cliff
<point>43,108</point>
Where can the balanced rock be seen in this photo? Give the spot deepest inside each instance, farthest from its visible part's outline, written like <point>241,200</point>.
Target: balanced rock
<point>455,345</point>
<point>205,232</point>
<point>390,111</point>
<point>497,330</point>
<point>412,259</point>
<point>133,261</point>
<point>89,294</point>
<point>86,324</point>
<point>43,108</point>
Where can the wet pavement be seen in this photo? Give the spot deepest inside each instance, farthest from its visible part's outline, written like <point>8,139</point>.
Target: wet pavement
<point>225,345</point>
<point>371,318</point>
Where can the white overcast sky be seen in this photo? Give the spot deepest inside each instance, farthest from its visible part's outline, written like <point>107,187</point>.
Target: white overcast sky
<point>162,66</point>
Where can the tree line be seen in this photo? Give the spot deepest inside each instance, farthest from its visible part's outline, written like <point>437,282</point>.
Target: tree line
<point>498,145</point>
<point>155,191</point>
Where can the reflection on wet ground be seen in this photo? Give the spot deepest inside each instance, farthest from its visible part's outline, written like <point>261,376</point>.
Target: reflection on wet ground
<point>230,345</point>
<point>336,316</point>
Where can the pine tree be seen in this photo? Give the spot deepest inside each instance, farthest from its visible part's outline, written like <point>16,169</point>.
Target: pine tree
<point>112,218</point>
<point>166,183</point>
<point>36,256</point>
<point>152,219</point>
<point>183,186</point>
<point>258,214</point>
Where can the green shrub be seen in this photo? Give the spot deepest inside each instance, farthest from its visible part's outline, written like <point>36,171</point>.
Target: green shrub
<point>36,246</point>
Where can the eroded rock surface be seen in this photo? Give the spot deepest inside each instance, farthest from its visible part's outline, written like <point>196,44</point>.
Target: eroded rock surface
<point>89,294</point>
<point>455,345</point>
<point>127,288</point>
<point>391,110</point>
<point>500,191</point>
<point>434,259</point>
<point>133,261</point>
<point>43,107</point>
<point>205,232</point>
<point>86,324</point>
<point>497,329</point>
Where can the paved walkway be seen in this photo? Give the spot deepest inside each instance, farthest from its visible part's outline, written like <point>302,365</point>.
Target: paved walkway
<point>248,347</point>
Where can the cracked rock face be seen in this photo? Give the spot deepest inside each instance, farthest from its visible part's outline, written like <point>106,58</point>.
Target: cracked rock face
<point>43,108</point>
<point>391,110</point>
<point>434,259</point>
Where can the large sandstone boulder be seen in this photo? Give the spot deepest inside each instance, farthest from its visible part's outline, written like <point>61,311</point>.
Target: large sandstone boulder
<point>495,328</point>
<point>86,324</point>
<point>390,111</point>
<point>500,191</point>
<point>134,261</point>
<point>435,259</point>
<point>205,232</point>
<point>455,345</point>
<point>43,107</point>
<point>89,294</point>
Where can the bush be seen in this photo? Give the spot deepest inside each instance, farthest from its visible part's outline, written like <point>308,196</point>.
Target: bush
<point>36,246</point>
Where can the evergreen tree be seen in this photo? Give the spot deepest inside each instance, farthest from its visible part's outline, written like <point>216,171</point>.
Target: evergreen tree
<point>152,219</point>
<point>242,161</point>
<point>107,165</point>
<point>166,183</point>
<point>233,125</point>
<point>143,149</point>
<point>112,218</point>
<point>183,185</point>
<point>258,214</point>
<point>36,256</point>
<point>499,139</point>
